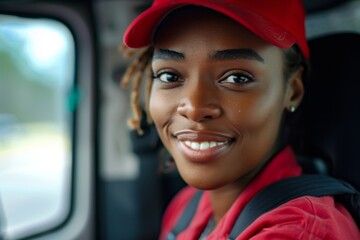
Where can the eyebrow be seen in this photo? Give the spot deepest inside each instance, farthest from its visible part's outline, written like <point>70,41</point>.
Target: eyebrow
<point>228,54</point>
<point>166,54</point>
<point>241,53</point>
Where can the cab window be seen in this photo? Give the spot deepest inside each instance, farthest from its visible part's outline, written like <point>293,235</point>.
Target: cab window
<point>36,108</point>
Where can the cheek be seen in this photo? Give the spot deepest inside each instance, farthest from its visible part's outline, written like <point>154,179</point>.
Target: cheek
<point>258,116</point>
<point>160,109</point>
<point>155,107</point>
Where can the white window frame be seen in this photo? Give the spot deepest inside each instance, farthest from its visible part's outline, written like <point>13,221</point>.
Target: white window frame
<point>80,223</point>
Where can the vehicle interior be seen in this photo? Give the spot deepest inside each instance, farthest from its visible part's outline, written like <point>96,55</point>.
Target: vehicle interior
<point>71,168</point>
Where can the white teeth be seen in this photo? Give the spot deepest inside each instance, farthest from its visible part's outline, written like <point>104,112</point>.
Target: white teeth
<point>195,145</point>
<point>203,145</point>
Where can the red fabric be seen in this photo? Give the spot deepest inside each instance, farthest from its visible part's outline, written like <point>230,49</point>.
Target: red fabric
<point>280,23</point>
<point>302,218</point>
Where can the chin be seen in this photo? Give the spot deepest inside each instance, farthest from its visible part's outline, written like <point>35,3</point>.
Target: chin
<point>204,183</point>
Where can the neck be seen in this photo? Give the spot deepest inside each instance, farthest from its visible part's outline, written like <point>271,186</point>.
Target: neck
<point>223,198</point>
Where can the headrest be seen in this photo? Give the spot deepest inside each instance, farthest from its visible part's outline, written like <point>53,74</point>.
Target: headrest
<point>331,108</point>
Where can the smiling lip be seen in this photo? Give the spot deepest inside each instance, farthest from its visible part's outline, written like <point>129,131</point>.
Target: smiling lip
<point>202,146</point>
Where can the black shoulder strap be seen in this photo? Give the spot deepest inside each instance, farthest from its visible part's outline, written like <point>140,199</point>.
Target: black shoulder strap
<point>285,190</point>
<point>186,217</point>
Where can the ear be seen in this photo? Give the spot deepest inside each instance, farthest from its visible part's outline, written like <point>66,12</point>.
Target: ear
<point>295,90</point>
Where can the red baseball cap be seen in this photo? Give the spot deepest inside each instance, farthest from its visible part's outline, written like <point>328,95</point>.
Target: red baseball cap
<point>280,22</point>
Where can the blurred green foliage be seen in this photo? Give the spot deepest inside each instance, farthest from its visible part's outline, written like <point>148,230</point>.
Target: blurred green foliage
<point>23,92</point>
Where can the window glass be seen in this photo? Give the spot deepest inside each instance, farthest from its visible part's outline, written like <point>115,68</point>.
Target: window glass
<point>36,78</point>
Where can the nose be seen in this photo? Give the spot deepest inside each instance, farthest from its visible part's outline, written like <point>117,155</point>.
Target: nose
<point>199,105</point>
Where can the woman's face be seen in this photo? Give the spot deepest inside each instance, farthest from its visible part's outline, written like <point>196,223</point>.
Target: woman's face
<point>217,98</point>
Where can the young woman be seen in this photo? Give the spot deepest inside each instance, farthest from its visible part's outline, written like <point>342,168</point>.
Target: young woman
<point>224,75</point>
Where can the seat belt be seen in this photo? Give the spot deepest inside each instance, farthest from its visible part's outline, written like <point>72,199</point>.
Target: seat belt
<point>288,189</point>
<point>186,217</point>
<point>277,194</point>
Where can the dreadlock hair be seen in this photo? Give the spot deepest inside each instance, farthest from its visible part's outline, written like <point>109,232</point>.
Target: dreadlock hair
<point>138,70</point>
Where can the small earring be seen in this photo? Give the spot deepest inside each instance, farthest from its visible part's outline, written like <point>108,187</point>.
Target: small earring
<point>292,108</point>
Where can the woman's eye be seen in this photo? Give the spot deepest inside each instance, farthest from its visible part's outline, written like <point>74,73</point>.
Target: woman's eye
<point>167,77</point>
<point>238,78</point>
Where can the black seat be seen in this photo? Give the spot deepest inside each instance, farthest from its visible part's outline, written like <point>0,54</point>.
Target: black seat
<point>330,114</point>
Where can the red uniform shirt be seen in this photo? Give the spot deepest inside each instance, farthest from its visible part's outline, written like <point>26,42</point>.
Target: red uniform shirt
<point>302,218</point>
